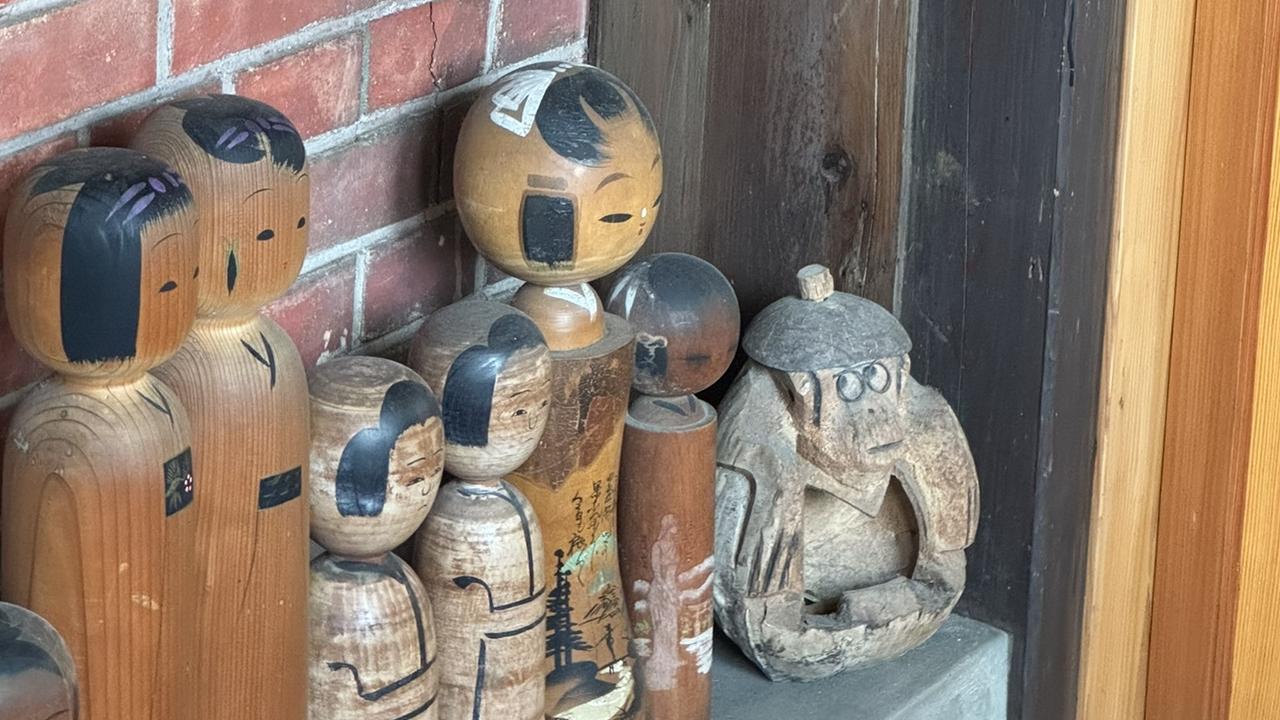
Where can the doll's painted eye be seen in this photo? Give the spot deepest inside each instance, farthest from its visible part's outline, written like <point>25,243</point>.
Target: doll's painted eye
<point>876,377</point>
<point>658,201</point>
<point>616,218</point>
<point>849,385</point>
<point>302,222</point>
<point>171,285</point>
<point>195,273</point>
<point>266,234</point>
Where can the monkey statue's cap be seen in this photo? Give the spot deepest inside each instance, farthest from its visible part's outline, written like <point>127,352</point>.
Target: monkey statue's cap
<point>823,329</point>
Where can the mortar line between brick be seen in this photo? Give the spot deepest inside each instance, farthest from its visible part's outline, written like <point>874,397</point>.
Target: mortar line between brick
<point>164,39</point>
<point>386,341</point>
<point>366,64</point>
<point>21,12</point>
<point>491,34</point>
<point>357,291</point>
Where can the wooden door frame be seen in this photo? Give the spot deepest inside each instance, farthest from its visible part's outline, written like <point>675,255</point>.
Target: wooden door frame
<point>1171,626</point>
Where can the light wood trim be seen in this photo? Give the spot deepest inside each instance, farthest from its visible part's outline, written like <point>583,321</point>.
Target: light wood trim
<point>1254,690</point>
<point>1144,248</point>
<point>1212,366</point>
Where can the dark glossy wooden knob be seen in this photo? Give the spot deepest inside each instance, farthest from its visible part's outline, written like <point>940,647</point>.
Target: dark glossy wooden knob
<point>99,260</point>
<point>685,315</point>
<point>247,167</point>
<point>558,173</point>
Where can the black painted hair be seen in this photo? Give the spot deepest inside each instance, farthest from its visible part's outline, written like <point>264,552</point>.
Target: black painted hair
<point>468,388</point>
<point>233,129</point>
<point>121,192</point>
<point>361,485</point>
<point>563,120</point>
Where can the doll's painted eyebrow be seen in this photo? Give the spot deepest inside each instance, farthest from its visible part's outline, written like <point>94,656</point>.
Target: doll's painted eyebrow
<point>300,176</point>
<point>411,463</point>
<point>547,182</point>
<point>656,159</point>
<point>255,192</point>
<point>612,178</point>
<point>156,244</point>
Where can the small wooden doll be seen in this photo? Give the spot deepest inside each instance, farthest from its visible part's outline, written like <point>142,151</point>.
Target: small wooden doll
<point>686,319</point>
<point>244,382</point>
<point>37,675</point>
<point>480,552</point>
<point>376,463</point>
<point>558,177</point>
<point>845,491</point>
<point>99,505</point>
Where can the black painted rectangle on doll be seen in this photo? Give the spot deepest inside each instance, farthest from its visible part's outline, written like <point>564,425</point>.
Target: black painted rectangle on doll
<point>547,228</point>
<point>179,483</point>
<point>279,489</point>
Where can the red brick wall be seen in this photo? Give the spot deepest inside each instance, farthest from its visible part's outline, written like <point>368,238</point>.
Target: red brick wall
<point>377,87</point>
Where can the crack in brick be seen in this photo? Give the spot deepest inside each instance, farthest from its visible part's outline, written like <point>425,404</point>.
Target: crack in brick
<point>436,81</point>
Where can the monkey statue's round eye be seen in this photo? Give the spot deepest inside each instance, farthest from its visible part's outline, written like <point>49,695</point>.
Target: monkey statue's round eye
<point>876,377</point>
<point>849,385</point>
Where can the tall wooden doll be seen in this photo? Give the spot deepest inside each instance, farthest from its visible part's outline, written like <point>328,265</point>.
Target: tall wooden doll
<point>376,462</point>
<point>558,176</point>
<point>480,552</point>
<point>99,503</point>
<point>243,380</point>
<point>686,319</point>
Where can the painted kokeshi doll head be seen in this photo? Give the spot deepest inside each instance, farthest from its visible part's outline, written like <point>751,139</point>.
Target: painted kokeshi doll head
<point>494,373</point>
<point>845,362</point>
<point>685,314</point>
<point>558,173</point>
<point>37,674</point>
<point>377,455</point>
<point>247,166</point>
<point>99,258</point>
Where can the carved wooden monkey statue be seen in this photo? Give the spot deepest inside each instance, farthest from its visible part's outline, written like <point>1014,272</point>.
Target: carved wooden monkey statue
<point>100,499</point>
<point>375,469</point>
<point>243,380</point>
<point>558,175</point>
<point>845,495</point>
<point>480,552</point>
<point>686,319</point>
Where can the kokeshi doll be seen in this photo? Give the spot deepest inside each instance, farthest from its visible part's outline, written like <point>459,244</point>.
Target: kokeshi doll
<point>99,499</point>
<point>244,383</point>
<point>558,178</point>
<point>37,675</point>
<point>686,318</point>
<point>480,552</point>
<point>376,463</point>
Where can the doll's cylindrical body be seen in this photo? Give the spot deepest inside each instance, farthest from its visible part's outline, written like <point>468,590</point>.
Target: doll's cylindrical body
<point>244,383</point>
<point>666,536</point>
<point>99,499</point>
<point>479,554</point>
<point>371,625</point>
<point>572,482</point>
<point>247,391</point>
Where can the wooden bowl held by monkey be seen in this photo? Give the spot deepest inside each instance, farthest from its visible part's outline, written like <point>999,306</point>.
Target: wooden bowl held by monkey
<point>99,262</point>
<point>685,314</point>
<point>558,173</point>
<point>493,369</point>
<point>246,165</point>
<point>377,455</point>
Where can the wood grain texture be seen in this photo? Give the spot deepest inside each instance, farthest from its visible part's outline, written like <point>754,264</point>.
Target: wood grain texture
<point>571,480</point>
<point>1213,358</point>
<point>1254,690</point>
<point>800,104</point>
<point>1148,213</point>
<point>99,500</point>
<point>665,541</point>
<point>569,317</point>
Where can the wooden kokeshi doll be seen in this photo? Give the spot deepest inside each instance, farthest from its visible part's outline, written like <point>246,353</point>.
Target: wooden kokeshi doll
<point>376,463</point>
<point>37,675</point>
<point>99,511</point>
<point>686,318</point>
<point>244,382</point>
<point>480,552</point>
<point>558,177</point>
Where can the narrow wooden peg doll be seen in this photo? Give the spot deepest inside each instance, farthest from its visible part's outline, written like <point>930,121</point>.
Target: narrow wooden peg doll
<point>99,497</point>
<point>376,462</point>
<point>558,175</point>
<point>244,381</point>
<point>686,318</point>
<point>37,675</point>
<point>480,552</point>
